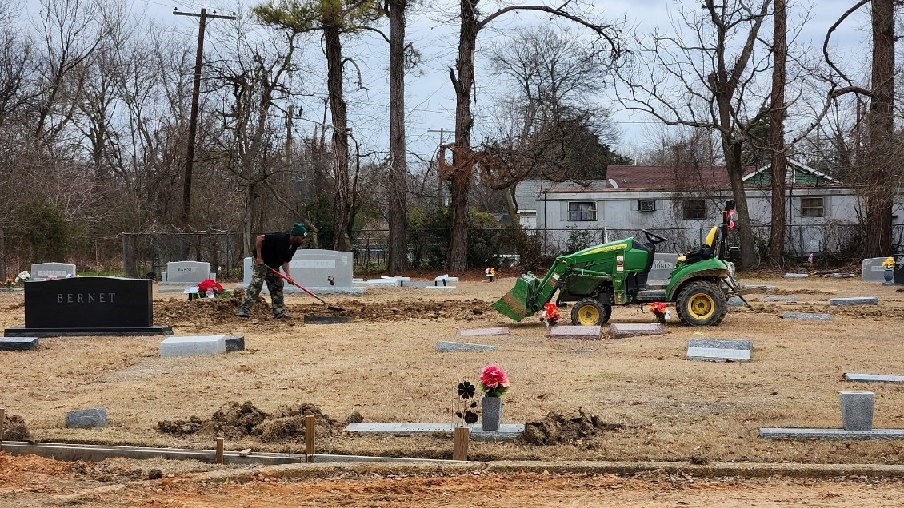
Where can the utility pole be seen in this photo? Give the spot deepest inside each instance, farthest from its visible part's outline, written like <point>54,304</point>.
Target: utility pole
<point>193,118</point>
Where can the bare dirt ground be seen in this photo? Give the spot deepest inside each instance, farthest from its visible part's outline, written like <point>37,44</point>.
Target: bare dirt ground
<point>646,402</point>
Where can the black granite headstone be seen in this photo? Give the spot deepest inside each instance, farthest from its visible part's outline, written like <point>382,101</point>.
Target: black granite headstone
<point>88,306</point>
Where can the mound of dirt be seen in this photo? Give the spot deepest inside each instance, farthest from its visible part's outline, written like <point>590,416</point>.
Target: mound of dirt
<point>181,427</point>
<point>557,429</point>
<point>234,420</point>
<point>14,428</point>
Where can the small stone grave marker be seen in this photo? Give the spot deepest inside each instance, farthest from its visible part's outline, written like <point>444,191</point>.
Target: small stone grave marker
<point>18,343</point>
<point>479,332</point>
<point>86,418</point>
<point>807,316</point>
<point>719,350</point>
<point>796,275</point>
<point>50,271</point>
<point>855,300</point>
<point>574,332</point>
<point>857,410</point>
<point>444,280</point>
<point>623,330</point>
<point>872,378</point>
<point>446,347</point>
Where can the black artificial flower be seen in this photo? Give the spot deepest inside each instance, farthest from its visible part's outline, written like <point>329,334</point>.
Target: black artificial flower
<point>465,390</point>
<point>470,417</point>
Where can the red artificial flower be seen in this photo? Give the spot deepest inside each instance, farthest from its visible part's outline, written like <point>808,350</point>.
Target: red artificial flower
<point>658,307</point>
<point>204,285</point>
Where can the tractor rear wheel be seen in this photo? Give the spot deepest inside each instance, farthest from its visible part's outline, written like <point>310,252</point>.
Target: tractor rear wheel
<point>590,312</point>
<point>701,303</point>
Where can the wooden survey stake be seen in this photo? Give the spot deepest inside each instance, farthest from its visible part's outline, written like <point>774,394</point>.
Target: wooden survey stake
<point>219,455</point>
<point>460,443</point>
<point>309,436</point>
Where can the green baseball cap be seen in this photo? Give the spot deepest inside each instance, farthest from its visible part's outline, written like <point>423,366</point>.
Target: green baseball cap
<point>298,229</point>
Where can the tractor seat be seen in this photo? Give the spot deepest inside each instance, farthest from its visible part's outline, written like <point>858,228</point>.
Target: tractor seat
<point>706,251</point>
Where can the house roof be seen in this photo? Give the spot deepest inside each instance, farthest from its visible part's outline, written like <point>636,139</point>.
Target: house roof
<point>688,178</point>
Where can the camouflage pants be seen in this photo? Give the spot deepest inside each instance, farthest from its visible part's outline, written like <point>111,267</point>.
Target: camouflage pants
<point>275,283</point>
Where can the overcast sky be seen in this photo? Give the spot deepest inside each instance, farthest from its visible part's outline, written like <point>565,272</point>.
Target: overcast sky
<point>429,95</point>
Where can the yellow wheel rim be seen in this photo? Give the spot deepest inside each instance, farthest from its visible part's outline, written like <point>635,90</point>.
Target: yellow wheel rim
<point>701,306</point>
<point>588,315</point>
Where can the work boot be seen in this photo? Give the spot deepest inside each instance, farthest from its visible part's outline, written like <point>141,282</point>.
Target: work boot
<point>284,316</point>
<point>242,313</point>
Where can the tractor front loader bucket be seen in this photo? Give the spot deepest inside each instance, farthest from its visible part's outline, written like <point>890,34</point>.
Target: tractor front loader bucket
<point>514,304</point>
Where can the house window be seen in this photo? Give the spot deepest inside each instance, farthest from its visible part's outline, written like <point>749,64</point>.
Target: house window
<point>581,211</point>
<point>812,207</point>
<point>693,209</point>
<point>646,205</point>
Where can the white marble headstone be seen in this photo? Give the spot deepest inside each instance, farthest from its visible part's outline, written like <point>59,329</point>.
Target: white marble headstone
<point>186,272</point>
<point>47,271</point>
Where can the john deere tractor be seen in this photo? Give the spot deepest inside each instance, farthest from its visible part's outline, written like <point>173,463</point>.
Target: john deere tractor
<point>615,273</point>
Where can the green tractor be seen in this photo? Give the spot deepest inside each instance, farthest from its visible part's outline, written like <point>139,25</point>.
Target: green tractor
<point>615,273</point>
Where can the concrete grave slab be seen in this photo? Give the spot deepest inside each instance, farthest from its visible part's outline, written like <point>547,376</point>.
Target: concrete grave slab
<point>855,300</point>
<point>447,347</point>
<point>200,345</point>
<point>713,354</point>
<point>624,330</point>
<point>18,343</point>
<point>86,418</point>
<point>479,332</point>
<point>872,378</point>
<point>816,433</point>
<point>574,332</point>
<point>506,430</point>
<point>807,316</point>
<point>796,275</point>
<point>50,271</point>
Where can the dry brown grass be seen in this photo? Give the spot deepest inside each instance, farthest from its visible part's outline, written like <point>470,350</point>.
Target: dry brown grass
<point>386,368</point>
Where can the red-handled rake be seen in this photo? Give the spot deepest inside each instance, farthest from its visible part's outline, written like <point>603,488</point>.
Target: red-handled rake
<point>306,290</point>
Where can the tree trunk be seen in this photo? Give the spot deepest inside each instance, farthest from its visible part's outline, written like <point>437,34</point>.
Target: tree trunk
<point>879,183</point>
<point>462,161</point>
<point>735,168</point>
<point>342,202</point>
<point>398,175</point>
<point>777,134</point>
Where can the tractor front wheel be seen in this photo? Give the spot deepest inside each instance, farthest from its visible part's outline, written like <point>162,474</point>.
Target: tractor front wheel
<point>701,303</point>
<point>590,312</point>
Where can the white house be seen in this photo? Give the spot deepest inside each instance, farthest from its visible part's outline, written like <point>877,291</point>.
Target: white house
<point>682,204</point>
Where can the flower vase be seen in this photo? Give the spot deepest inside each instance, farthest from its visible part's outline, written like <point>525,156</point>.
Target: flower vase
<point>889,275</point>
<point>491,413</point>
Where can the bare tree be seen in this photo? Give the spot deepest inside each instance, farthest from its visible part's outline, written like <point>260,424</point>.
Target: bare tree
<point>398,174</point>
<point>704,83</point>
<point>461,170</point>
<point>777,130</point>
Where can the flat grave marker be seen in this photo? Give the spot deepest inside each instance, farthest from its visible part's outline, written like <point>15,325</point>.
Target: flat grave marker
<point>480,332</point>
<point>193,345</point>
<point>624,330</point>
<point>86,418</point>
<point>872,378</point>
<point>574,332</point>
<point>780,299</point>
<point>796,275</point>
<point>719,350</point>
<point>807,316</point>
<point>447,347</point>
<point>507,431</point>
<point>855,300</point>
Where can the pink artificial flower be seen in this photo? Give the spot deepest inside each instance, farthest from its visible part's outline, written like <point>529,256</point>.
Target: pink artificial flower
<point>492,376</point>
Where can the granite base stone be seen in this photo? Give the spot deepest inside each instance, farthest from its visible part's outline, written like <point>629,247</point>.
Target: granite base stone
<point>235,343</point>
<point>18,343</point>
<point>86,418</point>
<point>711,354</point>
<point>202,345</point>
<point>872,378</point>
